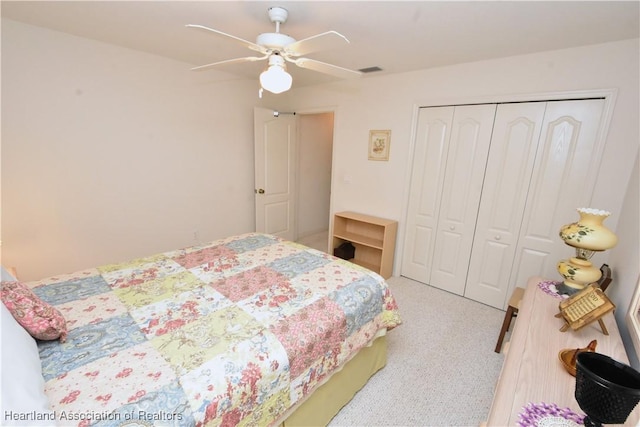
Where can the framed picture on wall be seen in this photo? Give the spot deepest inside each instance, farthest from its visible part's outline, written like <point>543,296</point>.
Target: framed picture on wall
<point>379,142</point>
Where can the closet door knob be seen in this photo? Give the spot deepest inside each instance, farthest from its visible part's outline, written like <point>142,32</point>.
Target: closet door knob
<point>452,227</point>
<point>498,237</point>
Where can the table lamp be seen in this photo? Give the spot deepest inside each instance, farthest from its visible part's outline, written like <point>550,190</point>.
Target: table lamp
<point>588,235</point>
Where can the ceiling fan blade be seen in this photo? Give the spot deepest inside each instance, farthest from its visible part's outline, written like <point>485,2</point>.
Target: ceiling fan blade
<point>323,67</point>
<point>245,43</point>
<point>323,41</point>
<point>230,61</point>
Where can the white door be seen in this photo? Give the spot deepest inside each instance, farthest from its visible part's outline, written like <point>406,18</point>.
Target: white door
<point>464,174</point>
<point>275,168</point>
<point>563,180</point>
<point>429,161</point>
<point>509,168</point>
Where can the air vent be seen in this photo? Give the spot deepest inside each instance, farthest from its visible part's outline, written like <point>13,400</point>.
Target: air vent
<point>370,69</point>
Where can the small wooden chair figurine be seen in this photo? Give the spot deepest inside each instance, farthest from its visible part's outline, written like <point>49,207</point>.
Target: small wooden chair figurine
<point>516,297</point>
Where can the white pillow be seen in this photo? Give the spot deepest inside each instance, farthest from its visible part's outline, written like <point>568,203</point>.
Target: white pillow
<point>6,276</point>
<point>22,385</point>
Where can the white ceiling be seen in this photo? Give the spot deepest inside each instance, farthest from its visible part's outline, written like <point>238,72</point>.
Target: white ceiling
<point>396,36</point>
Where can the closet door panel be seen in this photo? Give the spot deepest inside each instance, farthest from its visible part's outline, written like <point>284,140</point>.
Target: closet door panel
<point>429,161</point>
<point>563,180</point>
<point>466,161</point>
<point>509,168</point>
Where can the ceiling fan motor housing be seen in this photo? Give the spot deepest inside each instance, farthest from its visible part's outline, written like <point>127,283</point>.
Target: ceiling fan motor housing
<point>278,14</point>
<point>276,41</point>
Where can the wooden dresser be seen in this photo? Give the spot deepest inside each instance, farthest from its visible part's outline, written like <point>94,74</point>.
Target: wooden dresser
<point>532,371</point>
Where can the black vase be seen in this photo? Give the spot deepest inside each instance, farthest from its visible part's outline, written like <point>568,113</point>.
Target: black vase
<point>606,390</point>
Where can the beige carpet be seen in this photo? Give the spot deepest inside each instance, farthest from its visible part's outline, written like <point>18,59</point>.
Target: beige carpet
<point>319,240</point>
<point>441,368</point>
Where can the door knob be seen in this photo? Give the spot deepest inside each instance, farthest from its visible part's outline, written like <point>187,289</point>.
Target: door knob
<point>260,191</point>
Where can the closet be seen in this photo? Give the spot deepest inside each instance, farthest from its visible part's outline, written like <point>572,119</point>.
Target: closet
<point>491,185</point>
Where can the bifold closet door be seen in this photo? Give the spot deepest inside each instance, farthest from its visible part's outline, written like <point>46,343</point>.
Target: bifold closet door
<point>466,162</point>
<point>506,183</point>
<point>564,176</point>
<point>488,197</point>
<point>429,162</point>
<point>445,193</point>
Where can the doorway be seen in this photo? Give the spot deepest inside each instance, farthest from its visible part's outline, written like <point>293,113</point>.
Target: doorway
<point>293,162</point>
<point>315,152</point>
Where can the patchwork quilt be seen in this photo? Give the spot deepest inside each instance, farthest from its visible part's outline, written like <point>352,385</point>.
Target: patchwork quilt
<point>234,332</point>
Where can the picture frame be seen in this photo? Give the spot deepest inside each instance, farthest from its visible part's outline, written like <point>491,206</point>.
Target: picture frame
<point>586,306</point>
<point>379,144</point>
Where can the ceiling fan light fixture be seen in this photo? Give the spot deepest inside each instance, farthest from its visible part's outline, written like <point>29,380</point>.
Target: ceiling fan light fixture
<point>276,79</point>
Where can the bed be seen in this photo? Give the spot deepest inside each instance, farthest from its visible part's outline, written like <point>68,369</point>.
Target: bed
<point>247,330</point>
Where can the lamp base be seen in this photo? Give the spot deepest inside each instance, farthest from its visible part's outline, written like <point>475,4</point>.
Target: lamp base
<point>564,289</point>
<point>577,274</point>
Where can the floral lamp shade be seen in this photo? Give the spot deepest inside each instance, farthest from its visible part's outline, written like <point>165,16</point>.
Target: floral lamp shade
<point>588,235</point>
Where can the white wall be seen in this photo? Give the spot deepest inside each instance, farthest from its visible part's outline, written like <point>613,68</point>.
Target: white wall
<point>109,153</point>
<point>390,102</point>
<point>626,259</point>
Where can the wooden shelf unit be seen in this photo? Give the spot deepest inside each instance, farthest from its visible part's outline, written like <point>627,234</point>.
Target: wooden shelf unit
<point>374,239</point>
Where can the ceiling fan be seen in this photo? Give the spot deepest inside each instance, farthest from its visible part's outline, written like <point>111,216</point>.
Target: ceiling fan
<point>279,48</point>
